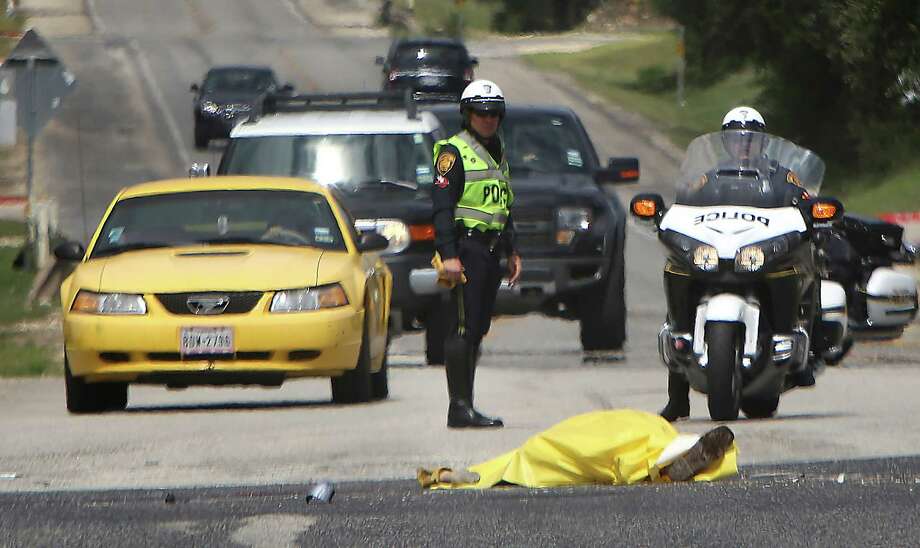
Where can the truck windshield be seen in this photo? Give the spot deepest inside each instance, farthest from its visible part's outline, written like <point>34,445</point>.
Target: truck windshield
<point>334,159</point>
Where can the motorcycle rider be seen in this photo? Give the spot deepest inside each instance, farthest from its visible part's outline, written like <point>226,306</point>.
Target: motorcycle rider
<point>743,136</point>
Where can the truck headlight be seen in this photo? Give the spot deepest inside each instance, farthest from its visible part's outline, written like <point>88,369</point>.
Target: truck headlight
<point>210,107</point>
<point>310,298</point>
<point>90,302</point>
<point>706,258</point>
<point>749,259</point>
<point>394,230</point>
<point>569,221</point>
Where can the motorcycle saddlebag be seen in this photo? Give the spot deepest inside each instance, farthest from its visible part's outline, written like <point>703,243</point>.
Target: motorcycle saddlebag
<point>891,298</point>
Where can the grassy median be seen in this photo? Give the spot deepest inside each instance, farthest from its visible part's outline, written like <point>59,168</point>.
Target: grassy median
<point>637,73</point>
<point>27,346</point>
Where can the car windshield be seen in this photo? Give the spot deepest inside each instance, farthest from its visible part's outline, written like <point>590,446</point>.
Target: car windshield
<point>428,55</point>
<point>544,143</point>
<point>335,159</point>
<point>737,167</point>
<point>270,217</point>
<point>238,80</point>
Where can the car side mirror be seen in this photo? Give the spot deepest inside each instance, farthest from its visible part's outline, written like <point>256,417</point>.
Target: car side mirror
<point>70,251</point>
<point>619,170</point>
<point>647,206</point>
<point>372,241</point>
<point>379,60</point>
<point>194,88</point>
<point>199,170</point>
<point>826,209</point>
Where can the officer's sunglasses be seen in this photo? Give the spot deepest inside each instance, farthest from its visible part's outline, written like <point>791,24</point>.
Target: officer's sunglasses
<point>486,113</point>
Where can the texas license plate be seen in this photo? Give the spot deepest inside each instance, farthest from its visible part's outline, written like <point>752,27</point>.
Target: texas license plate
<point>431,80</point>
<point>206,340</point>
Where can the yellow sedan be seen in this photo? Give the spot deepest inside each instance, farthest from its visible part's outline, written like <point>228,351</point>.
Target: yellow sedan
<point>224,281</point>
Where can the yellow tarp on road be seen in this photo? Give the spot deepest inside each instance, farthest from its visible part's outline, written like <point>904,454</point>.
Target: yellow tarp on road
<point>616,447</point>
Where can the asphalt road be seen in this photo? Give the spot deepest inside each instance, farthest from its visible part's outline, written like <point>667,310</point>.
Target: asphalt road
<point>130,120</point>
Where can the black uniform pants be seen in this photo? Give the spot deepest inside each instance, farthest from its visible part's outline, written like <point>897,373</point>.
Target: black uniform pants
<point>483,276</point>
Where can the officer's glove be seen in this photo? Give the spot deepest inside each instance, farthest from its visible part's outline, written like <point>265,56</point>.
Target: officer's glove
<point>443,279</point>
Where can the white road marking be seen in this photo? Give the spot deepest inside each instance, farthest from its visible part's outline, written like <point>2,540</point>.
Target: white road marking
<point>292,7</point>
<point>94,16</point>
<point>160,100</point>
<point>272,530</point>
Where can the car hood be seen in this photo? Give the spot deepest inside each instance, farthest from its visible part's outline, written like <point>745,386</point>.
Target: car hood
<point>538,189</point>
<point>223,268</point>
<point>388,202</point>
<point>228,97</point>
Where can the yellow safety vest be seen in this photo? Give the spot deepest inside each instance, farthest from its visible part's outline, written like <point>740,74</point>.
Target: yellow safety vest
<point>487,196</point>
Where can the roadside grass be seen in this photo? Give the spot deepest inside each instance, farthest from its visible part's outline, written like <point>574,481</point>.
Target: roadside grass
<point>22,353</point>
<point>11,228</point>
<point>637,74</point>
<point>440,17</point>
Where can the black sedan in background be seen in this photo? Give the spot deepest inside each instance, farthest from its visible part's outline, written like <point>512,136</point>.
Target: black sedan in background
<point>227,95</point>
<point>427,65</point>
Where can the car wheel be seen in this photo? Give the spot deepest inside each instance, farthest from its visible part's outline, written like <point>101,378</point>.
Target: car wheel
<point>380,385</point>
<point>602,312</point>
<point>354,386</point>
<point>201,138</point>
<point>435,334</point>
<point>84,397</point>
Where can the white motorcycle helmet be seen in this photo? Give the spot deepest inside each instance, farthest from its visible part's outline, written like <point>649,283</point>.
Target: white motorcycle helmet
<point>744,118</point>
<point>482,96</point>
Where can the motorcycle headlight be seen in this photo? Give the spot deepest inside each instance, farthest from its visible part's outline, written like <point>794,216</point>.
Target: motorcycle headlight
<point>210,107</point>
<point>310,298</point>
<point>749,259</point>
<point>752,258</point>
<point>90,302</point>
<point>395,231</point>
<point>706,258</point>
<point>570,220</point>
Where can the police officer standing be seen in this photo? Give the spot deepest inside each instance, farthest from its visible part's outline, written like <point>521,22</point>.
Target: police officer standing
<point>473,229</point>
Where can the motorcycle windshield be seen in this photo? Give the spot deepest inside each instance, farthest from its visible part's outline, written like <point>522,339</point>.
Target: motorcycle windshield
<point>741,167</point>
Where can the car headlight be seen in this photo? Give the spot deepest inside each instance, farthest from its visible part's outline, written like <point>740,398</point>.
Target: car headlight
<point>210,107</point>
<point>570,220</point>
<point>89,302</point>
<point>310,298</point>
<point>749,259</point>
<point>395,231</point>
<point>706,258</point>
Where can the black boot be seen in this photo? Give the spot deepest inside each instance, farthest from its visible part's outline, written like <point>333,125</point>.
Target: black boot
<point>678,406</point>
<point>475,354</point>
<point>461,414</point>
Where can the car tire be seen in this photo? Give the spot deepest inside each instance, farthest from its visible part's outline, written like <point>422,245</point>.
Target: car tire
<point>201,139</point>
<point>380,384</point>
<point>84,397</point>
<point>436,326</point>
<point>354,386</point>
<point>759,408</point>
<point>602,312</point>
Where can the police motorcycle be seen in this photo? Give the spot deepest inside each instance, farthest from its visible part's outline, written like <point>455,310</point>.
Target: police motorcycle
<point>862,254</point>
<point>747,307</point>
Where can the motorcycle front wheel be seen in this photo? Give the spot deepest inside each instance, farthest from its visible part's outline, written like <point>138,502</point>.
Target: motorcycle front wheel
<point>724,342</point>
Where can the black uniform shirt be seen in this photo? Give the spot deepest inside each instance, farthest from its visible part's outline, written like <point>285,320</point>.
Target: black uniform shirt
<point>447,190</point>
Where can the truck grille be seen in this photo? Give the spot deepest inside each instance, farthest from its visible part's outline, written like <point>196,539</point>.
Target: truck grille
<point>534,227</point>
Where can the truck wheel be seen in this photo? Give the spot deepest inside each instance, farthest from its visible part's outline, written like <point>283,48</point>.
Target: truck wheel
<point>84,397</point>
<point>602,313</point>
<point>201,139</point>
<point>723,372</point>
<point>759,408</point>
<point>436,326</point>
<point>354,386</point>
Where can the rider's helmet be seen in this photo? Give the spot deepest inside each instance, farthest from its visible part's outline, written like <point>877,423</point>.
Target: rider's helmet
<point>481,96</point>
<point>743,133</point>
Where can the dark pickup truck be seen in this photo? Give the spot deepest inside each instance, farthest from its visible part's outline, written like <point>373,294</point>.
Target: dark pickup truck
<point>571,233</point>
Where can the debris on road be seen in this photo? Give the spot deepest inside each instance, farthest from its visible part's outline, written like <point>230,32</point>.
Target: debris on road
<point>611,447</point>
<point>322,492</point>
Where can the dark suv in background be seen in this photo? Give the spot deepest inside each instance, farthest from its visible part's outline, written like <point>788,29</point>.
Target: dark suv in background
<point>227,95</point>
<point>571,233</point>
<point>427,66</point>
